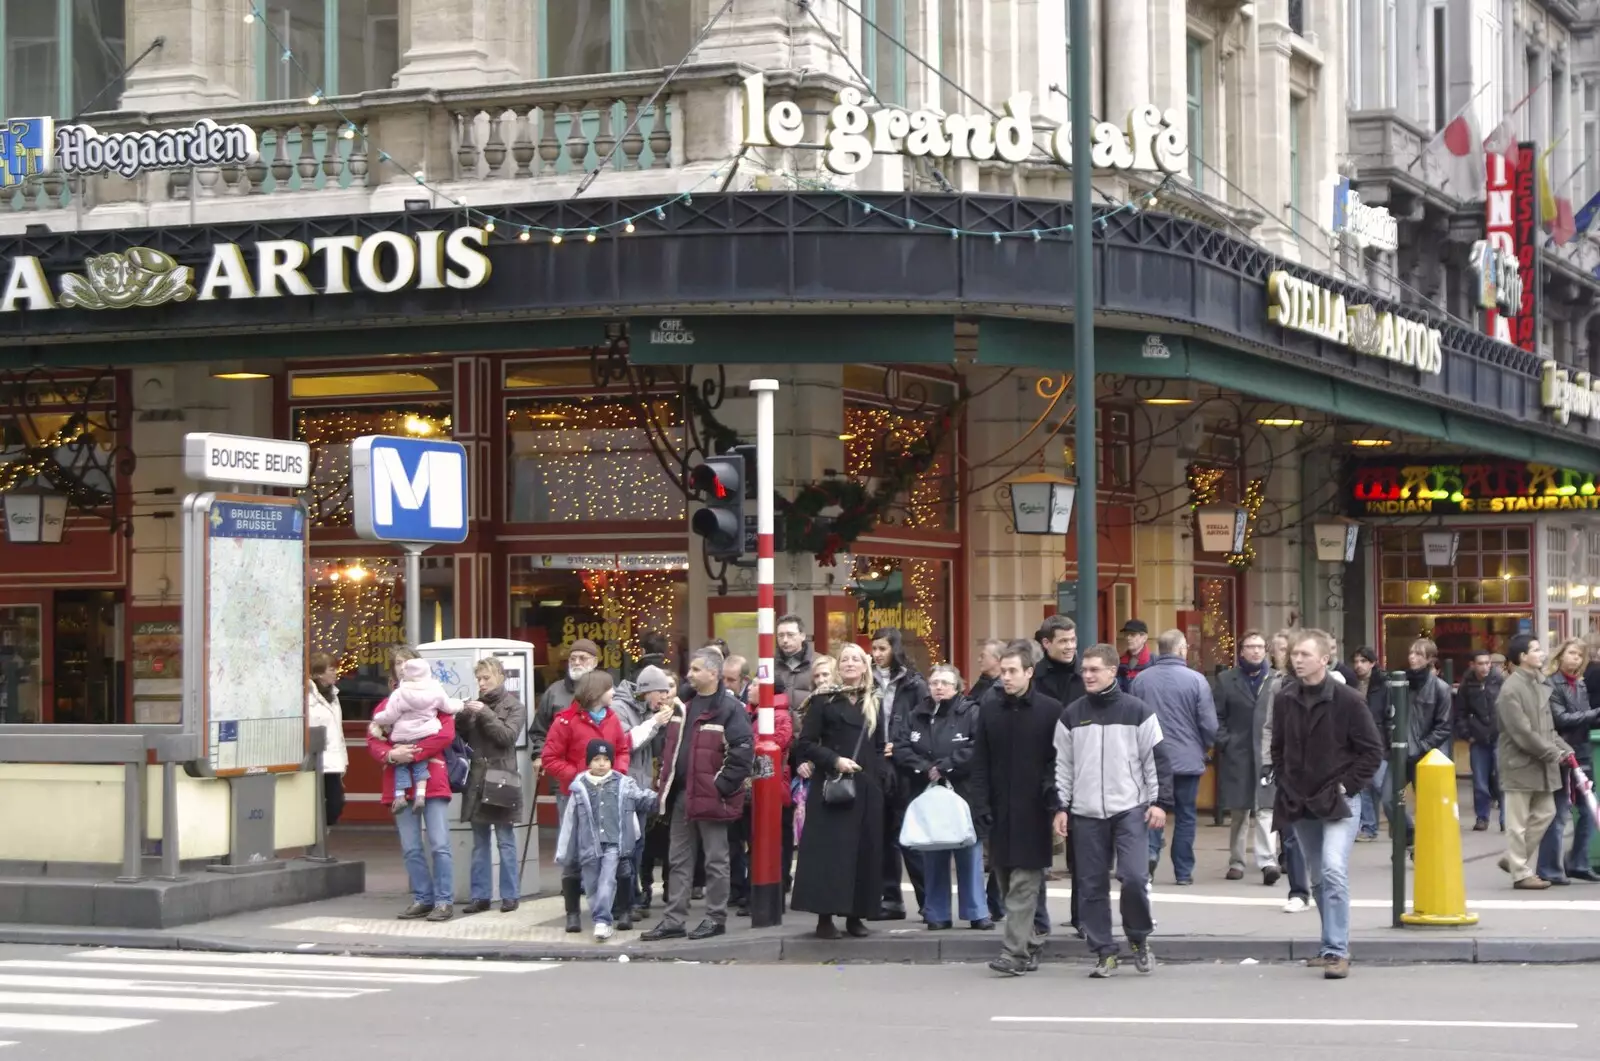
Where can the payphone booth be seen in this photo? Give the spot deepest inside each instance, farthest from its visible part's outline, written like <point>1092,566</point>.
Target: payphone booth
<point>452,663</point>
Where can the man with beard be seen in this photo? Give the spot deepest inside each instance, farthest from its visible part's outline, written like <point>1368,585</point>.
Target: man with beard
<point>581,659</point>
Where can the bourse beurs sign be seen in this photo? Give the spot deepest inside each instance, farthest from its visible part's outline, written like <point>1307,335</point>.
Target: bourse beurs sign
<point>1469,485</point>
<point>1153,140</point>
<point>380,263</point>
<point>1305,306</point>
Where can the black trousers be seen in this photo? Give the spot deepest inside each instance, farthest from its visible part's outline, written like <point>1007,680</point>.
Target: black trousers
<point>1120,841</point>
<point>657,839</point>
<point>332,798</point>
<point>739,859</point>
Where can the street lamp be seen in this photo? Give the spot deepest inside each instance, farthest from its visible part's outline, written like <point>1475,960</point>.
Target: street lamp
<point>1041,503</point>
<point>35,516</point>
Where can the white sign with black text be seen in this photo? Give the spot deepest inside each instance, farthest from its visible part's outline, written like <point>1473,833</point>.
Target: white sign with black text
<point>212,457</point>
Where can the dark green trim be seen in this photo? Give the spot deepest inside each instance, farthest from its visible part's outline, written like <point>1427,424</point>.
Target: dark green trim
<point>793,340</point>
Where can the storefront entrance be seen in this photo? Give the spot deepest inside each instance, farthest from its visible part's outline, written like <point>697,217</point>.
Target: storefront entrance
<point>62,657</point>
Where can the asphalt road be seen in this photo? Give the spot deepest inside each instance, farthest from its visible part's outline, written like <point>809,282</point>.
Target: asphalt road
<point>144,1005</point>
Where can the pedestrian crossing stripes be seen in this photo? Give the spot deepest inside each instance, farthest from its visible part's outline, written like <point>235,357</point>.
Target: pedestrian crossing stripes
<point>97,992</point>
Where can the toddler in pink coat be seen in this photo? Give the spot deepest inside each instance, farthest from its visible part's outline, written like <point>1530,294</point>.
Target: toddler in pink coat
<point>412,714</point>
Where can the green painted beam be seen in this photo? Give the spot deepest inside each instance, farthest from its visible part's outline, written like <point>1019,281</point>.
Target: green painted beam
<point>791,340</point>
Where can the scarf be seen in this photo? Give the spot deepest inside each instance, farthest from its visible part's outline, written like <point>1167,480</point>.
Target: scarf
<point>1254,674</point>
<point>598,715</point>
<point>1417,678</point>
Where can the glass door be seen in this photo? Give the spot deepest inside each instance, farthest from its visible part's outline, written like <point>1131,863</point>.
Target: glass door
<point>24,638</point>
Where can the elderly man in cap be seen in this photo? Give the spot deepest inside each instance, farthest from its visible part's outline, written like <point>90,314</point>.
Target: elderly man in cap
<point>582,657</point>
<point>644,705</point>
<point>1135,652</point>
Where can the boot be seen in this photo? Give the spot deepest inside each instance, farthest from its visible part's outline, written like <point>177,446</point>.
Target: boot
<point>569,892</point>
<point>623,903</point>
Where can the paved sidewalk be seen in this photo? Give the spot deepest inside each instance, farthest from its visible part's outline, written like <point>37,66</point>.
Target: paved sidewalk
<point>1215,919</point>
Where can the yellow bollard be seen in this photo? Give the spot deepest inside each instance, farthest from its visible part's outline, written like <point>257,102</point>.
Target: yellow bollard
<point>1439,892</point>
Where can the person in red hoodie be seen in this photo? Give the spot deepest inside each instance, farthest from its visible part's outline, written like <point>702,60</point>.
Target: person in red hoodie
<point>565,756</point>
<point>739,850</point>
<point>432,895</point>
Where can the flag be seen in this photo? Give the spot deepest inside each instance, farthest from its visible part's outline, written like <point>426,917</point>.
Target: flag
<point>1502,140</point>
<point>1460,163</point>
<point>1547,195</point>
<point>1586,215</point>
<point>1565,228</point>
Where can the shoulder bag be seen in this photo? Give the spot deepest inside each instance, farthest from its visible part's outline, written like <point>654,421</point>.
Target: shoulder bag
<point>839,790</point>
<point>501,788</point>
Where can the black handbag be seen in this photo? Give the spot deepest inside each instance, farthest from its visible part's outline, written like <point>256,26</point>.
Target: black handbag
<point>839,790</point>
<point>501,788</point>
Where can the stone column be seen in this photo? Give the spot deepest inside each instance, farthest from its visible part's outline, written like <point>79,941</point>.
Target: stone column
<point>462,43</point>
<point>1268,180</point>
<point>1272,585</point>
<point>208,57</point>
<point>1164,547</point>
<point>1012,576</point>
<point>1128,49</point>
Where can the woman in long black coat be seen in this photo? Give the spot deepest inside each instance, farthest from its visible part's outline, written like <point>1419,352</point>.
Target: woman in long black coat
<point>840,868</point>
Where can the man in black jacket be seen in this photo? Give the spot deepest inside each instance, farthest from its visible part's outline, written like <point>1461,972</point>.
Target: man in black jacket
<point>1324,751</point>
<point>1056,674</point>
<point>1477,724</point>
<point>1371,684</point>
<point>1431,727</point>
<point>1014,797</point>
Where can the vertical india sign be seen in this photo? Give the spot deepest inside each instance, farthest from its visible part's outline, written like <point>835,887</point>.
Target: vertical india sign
<point>1512,222</point>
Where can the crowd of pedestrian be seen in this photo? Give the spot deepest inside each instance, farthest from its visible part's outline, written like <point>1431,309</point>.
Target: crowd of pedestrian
<point>1051,746</point>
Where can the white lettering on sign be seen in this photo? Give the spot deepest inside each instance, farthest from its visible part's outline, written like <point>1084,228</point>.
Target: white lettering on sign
<point>1369,226</point>
<point>1303,306</point>
<point>219,458</point>
<point>438,482</point>
<point>1568,394</point>
<point>671,332</point>
<point>81,150</point>
<point>1499,282</point>
<point>1153,140</point>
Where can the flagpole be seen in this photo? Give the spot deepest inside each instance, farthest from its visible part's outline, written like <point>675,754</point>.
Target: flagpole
<point>1440,134</point>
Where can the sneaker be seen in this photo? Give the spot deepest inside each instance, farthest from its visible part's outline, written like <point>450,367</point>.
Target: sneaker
<point>1336,968</point>
<point>441,912</point>
<point>1143,960</point>
<point>1366,838</point>
<point>1481,825</point>
<point>1006,965</point>
<point>1105,968</point>
<point>1234,873</point>
<point>1271,875</point>
<point>1296,905</point>
<point>1318,962</point>
<point>602,931</point>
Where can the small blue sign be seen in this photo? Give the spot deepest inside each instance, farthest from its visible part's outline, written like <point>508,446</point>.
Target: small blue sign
<point>257,519</point>
<point>227,732</point>
<point>409,489</point>
<point>1341,204</point>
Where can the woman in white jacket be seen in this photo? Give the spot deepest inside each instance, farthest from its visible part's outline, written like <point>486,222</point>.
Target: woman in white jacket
<point>322,710</point>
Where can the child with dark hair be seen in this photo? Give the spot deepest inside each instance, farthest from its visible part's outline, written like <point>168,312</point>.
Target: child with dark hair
<point>600,830</point>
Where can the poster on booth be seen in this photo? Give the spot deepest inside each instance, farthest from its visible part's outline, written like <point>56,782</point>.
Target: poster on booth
<point>244,631</point>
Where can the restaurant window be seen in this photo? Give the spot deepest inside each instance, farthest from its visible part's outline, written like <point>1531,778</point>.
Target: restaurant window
<point>1476,605</point>
<point>335,48</point>
<point>912,595</point>
<point>582,456</point>
<point>886,410</point>
<point>344,406</point>
<point>1196,77</point>
<point>44,38</point>
<point>357,615</point>
<point>612,599</point>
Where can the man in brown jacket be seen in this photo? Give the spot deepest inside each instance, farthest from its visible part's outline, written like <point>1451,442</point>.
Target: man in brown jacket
<point>1530,760</point>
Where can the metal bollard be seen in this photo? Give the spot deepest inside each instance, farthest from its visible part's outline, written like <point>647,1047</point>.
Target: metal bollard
<point>132,823</point>
<point>169,822</point>
<point>1399,743</point>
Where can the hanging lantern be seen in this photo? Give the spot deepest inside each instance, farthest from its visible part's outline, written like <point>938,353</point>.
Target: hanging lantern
<point>1336,540</point>
<point>1221,528</point>
<point>1439,548</point>
<point>35,516</point>
<point>1041,503</point>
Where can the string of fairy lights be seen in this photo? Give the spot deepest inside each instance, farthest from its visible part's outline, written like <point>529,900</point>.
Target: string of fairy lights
<point>490,222</point>
<point>585,458</point>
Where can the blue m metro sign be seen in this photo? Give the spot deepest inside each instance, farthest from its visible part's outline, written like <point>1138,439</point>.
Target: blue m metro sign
<point>409,489</point>
<point>27,149</point>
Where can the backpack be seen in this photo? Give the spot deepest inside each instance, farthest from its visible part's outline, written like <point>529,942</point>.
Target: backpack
<point>458,764</point>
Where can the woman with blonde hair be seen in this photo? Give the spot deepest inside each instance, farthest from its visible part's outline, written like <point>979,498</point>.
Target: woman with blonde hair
<point>1574,718</point>
<point>840,869</point>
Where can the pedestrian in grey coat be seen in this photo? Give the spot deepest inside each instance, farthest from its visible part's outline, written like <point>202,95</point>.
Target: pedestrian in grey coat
<point>1238,692</point>
<point>1183,704</point>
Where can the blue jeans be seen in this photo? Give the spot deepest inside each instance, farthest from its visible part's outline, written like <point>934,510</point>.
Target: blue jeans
<point>505,838</point>
<point>969,883</point>
<point>439,889</point>
<point>1553,864</point>
<point>600,883</point>
<point>1185,794</point>
<point>1294,866</point>
<point>1326,846</point>
<point>404,779</point>
<point>1485,782</point>
<point>1372,797</point>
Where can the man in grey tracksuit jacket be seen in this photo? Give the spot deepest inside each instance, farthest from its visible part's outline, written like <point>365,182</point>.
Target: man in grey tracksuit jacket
<point>1114,784</point>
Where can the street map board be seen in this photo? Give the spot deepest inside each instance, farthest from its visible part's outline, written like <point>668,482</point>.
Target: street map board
<point>244,631</point>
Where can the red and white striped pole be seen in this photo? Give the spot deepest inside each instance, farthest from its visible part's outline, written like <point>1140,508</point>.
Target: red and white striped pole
<point>766,814</point>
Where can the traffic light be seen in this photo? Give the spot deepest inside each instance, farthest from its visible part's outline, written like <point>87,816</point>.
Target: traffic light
<point>718,483</point>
